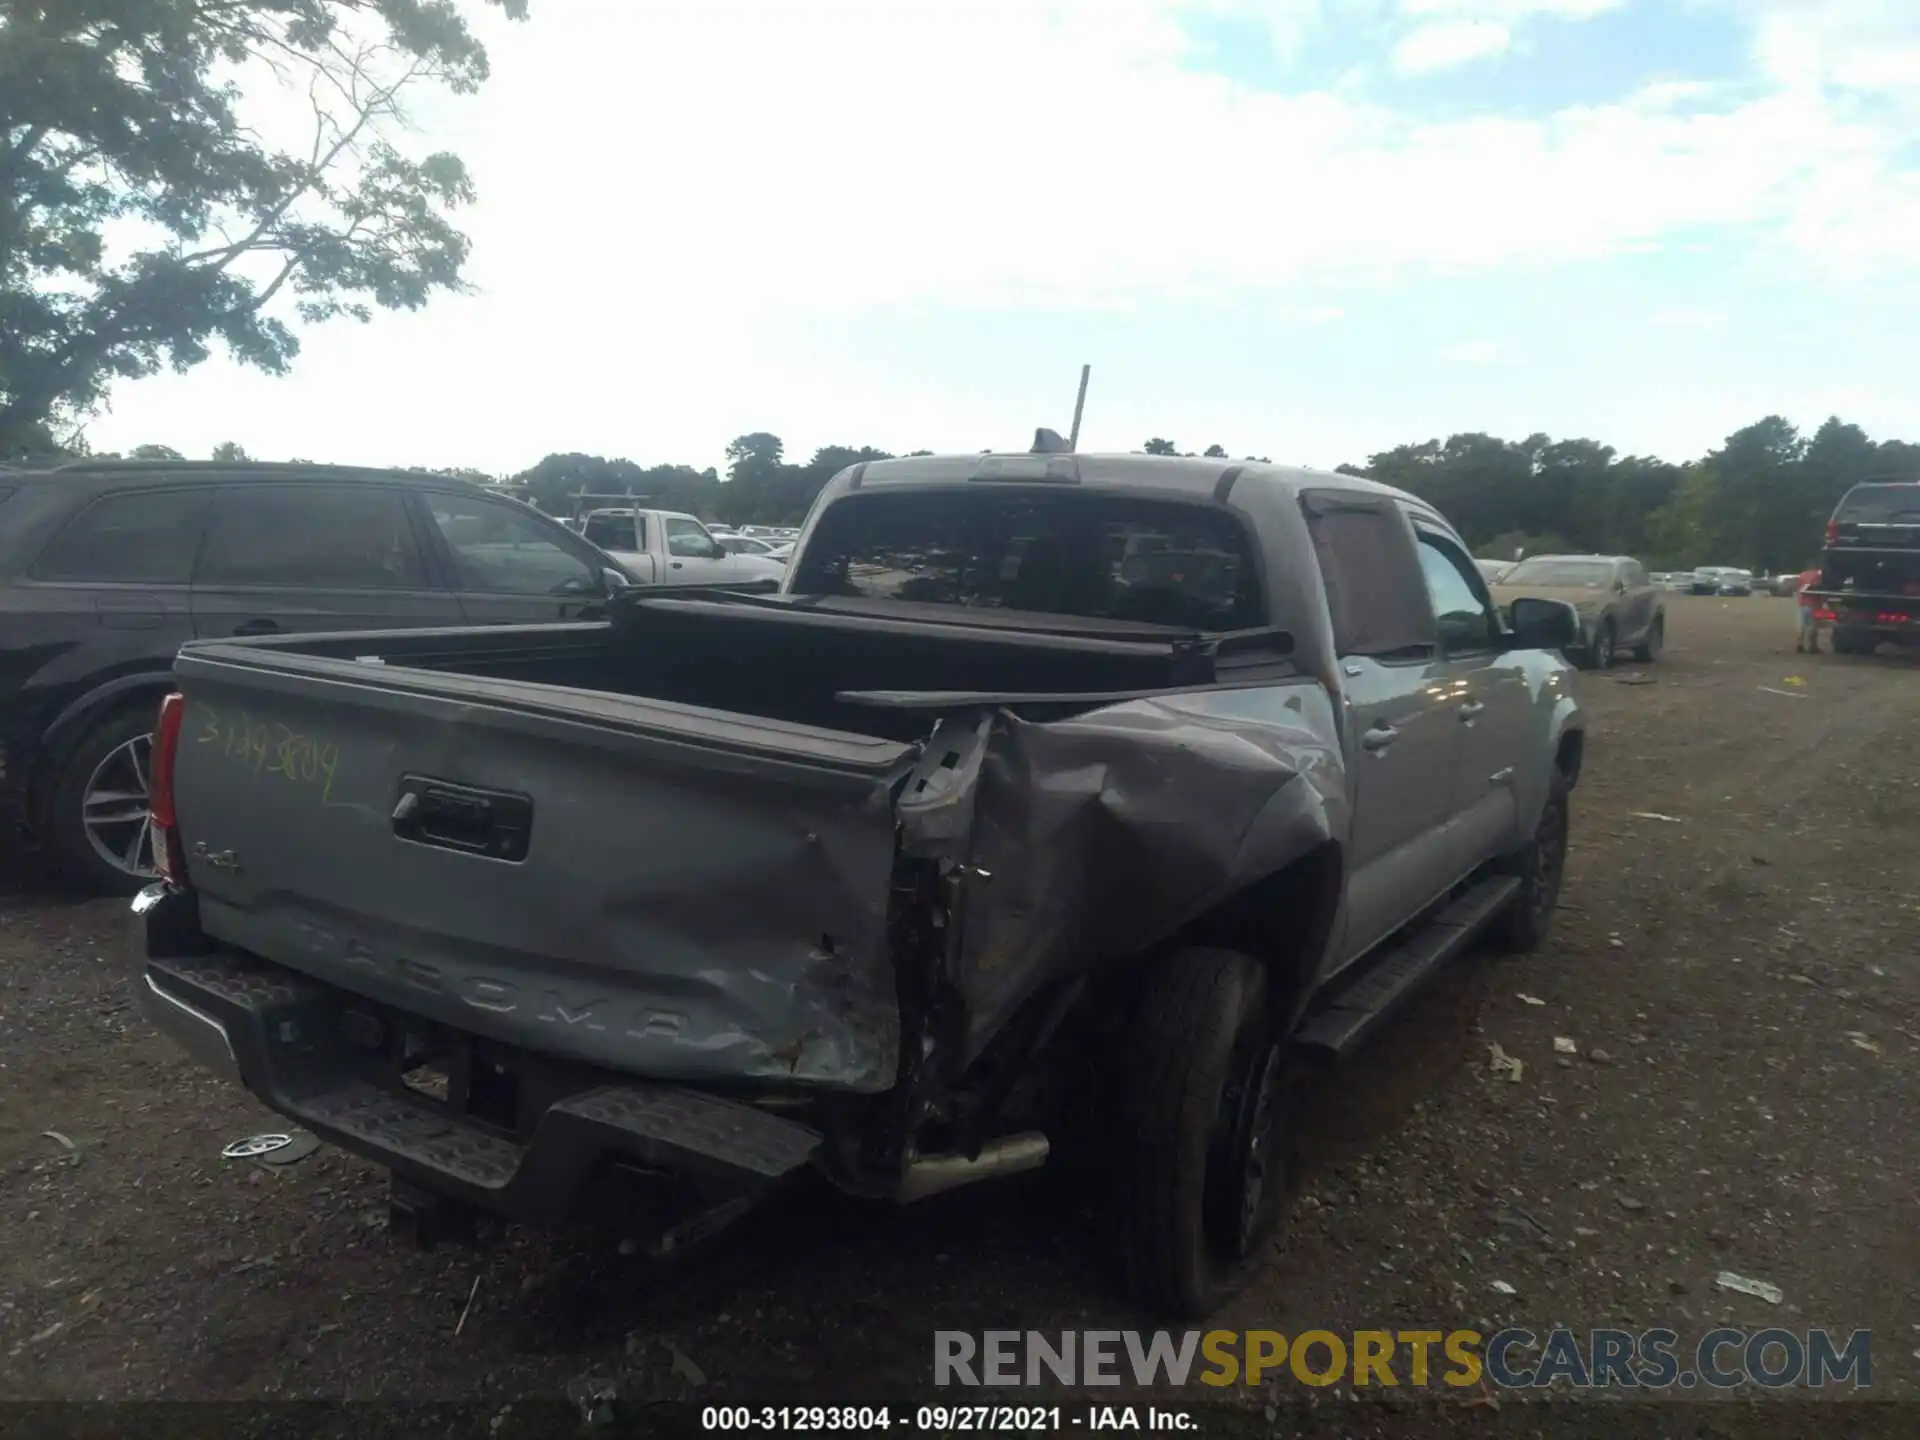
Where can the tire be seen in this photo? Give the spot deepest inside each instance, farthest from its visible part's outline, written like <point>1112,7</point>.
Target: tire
<point>1204,1099</point>
<point>1541,865</point>
<point>1854,642</point>
<point>96,805</point>
<point>1599,654</point>
<point>1648,650</point>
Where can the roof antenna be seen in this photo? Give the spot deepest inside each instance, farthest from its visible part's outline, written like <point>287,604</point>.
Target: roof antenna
<point>1048,442</point>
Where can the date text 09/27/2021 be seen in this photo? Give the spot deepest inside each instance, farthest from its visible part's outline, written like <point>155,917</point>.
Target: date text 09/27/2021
<point>944,1419</point>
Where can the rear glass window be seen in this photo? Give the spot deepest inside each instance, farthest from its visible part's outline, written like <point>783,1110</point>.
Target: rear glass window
<point>1881,505</point>
<point>1091,556</point>
<point>617,532</point>
<point>146,537</point>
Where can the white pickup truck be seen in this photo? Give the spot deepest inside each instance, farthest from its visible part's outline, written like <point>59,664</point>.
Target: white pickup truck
<point>664,547</point>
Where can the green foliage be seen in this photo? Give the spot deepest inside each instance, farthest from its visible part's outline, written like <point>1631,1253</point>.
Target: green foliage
<point>553,482</point>
<point>1760,500</point>
<point>143,220</point>
<point>228,452</point>
<point>1157,446</point>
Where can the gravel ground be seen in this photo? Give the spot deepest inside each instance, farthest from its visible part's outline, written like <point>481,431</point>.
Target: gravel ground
<point>1738,979</point>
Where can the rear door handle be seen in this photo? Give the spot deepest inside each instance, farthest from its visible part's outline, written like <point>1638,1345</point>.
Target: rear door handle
<point>1379,737</point>
<point>1471,709</point>
<point>257,627</point>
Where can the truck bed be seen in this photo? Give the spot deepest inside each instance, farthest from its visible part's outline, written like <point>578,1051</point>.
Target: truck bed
<point>665,843</point>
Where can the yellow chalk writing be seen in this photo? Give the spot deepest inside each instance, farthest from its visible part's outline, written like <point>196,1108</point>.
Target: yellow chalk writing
<point>272,748</point>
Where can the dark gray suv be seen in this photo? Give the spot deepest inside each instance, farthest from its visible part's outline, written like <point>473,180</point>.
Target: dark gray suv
<point>106,568</point>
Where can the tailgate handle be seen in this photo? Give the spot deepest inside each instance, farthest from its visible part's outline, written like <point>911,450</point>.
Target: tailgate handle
<point>497,824</point>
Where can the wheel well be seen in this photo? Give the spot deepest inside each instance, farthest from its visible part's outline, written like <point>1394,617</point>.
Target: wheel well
<point>1284,920</point>
<point>1567,759</point>
<point>73,726</point>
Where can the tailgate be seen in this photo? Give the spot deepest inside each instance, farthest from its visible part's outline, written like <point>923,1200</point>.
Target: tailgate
<point>674,892</point>
<point>1864,576</point>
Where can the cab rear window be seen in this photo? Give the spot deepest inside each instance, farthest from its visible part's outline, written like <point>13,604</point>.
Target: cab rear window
<point>1058,553</point>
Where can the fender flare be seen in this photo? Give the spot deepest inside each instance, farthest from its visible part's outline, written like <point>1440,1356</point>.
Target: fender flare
<point>1567,721</point>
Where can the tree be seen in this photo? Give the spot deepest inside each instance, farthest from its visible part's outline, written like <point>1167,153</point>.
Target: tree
<point>154,452</point>
<point>142,221</point>
<point>229,452</point>
<point>1157,446</point>
<point>1215,452</point>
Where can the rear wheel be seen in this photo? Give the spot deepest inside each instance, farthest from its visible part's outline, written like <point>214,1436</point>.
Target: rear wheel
<point>1648,650</point>
<point>97,819</point>
<point>1853,642</point>
<point>1205,1099</point>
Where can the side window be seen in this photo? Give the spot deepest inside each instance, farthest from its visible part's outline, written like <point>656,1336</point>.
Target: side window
<point>1374,588</point>
<point>500,550</point>
<point>689,540</point>
<point>1464,622</point>
<point>342,536</point>
<point>1633,574</point>
<point>143,536</point>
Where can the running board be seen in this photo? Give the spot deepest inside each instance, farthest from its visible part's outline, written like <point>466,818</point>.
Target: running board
<point>1398,971</point>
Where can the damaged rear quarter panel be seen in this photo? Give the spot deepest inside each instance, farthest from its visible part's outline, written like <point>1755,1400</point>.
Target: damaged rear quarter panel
<point>1104,834</point>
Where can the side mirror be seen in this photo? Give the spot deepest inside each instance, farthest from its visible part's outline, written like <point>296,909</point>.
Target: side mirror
<point>615,579</point>
<point>719,551</point>
<point>1544,624</point>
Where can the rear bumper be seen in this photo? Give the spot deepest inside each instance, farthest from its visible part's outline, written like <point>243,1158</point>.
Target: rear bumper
<point>1894,617</point>
<point>301,1048</point>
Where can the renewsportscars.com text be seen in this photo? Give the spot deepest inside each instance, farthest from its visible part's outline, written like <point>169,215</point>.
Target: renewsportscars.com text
<point>1655,1359</point>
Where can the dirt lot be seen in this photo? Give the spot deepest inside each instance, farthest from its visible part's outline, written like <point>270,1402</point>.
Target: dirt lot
<point>1739,979</point>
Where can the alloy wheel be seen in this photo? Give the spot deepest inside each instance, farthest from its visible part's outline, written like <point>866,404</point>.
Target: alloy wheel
<point>113,808</point>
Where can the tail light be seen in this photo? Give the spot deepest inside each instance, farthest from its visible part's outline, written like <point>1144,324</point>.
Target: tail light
<point>167,855</point>
<point>1825,615</point>
<point>1833,533</point>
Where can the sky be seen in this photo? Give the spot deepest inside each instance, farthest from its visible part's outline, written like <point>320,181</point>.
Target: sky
<point>1303,229</point>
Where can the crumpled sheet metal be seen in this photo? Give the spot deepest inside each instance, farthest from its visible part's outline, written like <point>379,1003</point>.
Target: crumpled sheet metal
<point>1104,834</point>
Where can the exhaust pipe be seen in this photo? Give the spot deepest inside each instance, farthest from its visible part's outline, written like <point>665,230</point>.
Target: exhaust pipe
<point>1009,1155</point>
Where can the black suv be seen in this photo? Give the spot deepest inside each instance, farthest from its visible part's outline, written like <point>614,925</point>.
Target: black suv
<point>105,568</point>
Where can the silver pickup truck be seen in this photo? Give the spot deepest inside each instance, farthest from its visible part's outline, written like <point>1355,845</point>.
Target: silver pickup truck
<point>1054,798</point>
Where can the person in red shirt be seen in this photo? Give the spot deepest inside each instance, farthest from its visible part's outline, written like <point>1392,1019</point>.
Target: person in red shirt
<point>1810,623</point>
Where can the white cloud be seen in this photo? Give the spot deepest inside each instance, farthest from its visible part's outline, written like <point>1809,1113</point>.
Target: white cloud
<point>1509,10</point>
<point>680,201</point>
<point>1451,43</point>
<point>1684,317</point>
<point>1472,352</point>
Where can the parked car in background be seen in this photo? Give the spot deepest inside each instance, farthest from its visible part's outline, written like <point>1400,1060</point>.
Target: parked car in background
<point>1735,582</point>
<point>1492,570</point>
<point>107,568</point>
<point>665,547</point>
<point>1870,571</point>
<point>1619,607</point>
